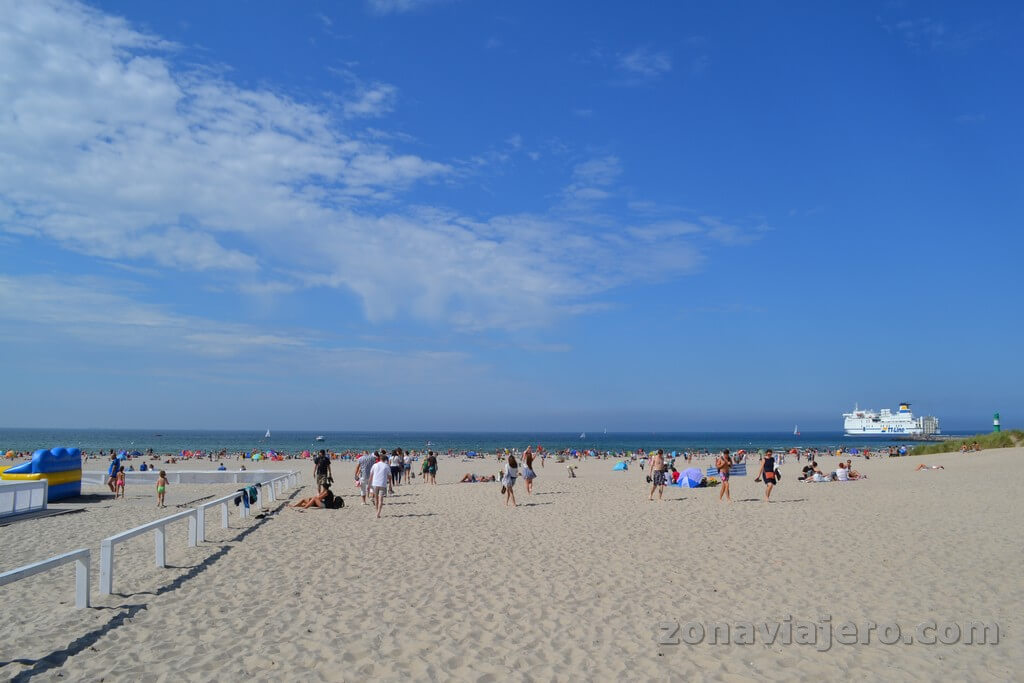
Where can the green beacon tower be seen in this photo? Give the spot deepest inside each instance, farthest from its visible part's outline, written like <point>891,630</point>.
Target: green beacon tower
<point>995,422</point>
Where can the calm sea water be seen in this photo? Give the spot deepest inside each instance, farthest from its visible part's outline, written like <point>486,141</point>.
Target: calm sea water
<point>91,440</point>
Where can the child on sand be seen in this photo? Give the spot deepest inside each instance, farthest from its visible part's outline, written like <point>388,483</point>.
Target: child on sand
<point>161,489</point>
<point>119,484</point>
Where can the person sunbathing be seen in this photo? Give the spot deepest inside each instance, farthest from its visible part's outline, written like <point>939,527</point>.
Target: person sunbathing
<point>809,471</point>
<point>321,500</point>
<point>470,478</point>
<point>853,473</point>
<point>922,466</point>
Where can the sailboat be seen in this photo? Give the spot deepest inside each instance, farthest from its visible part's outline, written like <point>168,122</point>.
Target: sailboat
<point>796,431</point>
<point>583,435</point>
<point>267,435</point>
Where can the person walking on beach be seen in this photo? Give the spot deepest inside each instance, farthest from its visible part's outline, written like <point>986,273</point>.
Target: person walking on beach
<point>508,480</point>
<point>723,463</point>
<point>161,489</point>
<point>768,474</point>
<point>528,473</point>
<point>657,474</point>
<point>115,465</point>
<point>396,467</point>
<point>432,467</point>
<point>322,470</point>
<point>363,466</point>
<point>380,475</point>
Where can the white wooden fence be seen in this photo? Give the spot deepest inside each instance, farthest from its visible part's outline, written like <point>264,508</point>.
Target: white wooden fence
<point>196,526</point>
<point>19,497</point>
<point>79,557</point>
<point>196,533</point>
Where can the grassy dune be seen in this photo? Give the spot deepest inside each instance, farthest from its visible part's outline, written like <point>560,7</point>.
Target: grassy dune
<point>1008,439</point>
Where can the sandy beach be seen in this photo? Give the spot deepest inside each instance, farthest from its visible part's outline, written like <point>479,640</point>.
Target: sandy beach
<point>571,584</point>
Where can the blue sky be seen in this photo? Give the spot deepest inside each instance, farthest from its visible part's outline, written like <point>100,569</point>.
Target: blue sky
<point>416,214</point>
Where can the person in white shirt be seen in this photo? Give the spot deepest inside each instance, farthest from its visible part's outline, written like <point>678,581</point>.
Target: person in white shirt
<point>842,474</point>
<point>380,479</point>
<point>508,479</point>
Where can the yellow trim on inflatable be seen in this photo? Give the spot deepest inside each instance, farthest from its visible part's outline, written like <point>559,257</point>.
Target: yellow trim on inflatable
<point>54,478</point>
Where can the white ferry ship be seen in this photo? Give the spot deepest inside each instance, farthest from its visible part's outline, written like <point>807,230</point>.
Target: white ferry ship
<point>886,423</point>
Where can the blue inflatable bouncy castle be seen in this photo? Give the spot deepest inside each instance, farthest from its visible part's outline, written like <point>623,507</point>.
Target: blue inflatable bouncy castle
<point>60,467</point>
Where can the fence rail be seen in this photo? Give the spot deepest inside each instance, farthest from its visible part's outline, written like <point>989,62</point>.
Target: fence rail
<point>79,557</point>
<point>268,491</point>
<point>107,544</point>
<point>19,497</point>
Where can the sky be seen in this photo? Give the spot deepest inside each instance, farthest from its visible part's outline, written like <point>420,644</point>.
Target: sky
<point>484,215</point>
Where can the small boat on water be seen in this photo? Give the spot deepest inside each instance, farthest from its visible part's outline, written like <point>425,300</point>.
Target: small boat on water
<point>796,430</point>
<point>267,435</point>
<point>583,435</point>
<point>320,438</point>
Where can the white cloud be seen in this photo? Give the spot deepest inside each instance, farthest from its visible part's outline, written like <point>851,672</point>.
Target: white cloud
<point>110,149</point>
<point>646,63</point>
<point>102,314</point>
<point>376,100</point>
<point>399,6</point>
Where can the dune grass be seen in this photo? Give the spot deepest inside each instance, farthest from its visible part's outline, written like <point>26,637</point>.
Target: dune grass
<point>1008,439</point>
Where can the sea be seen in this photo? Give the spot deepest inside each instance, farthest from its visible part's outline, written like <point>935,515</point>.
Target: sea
<point>295,442</point>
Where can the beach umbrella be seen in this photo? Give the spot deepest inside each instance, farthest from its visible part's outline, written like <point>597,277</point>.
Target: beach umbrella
<point>691,477</point>
<point>741,452</point>
<point>792,450</point>
<point>10,454</point>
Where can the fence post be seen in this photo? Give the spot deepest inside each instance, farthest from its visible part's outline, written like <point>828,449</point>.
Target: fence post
<point>224,515</point>
<point>193,530</point>
<point>201,525</point>
<point>106,567</point>
<point>82,582</point>
<point>161,547</point>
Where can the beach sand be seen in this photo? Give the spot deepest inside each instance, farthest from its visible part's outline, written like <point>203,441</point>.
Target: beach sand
<point>570,585</point>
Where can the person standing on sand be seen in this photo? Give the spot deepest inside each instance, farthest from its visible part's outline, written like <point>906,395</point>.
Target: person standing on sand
<point>432,467</point>
<point>528,473</point>
<point>657,474</point>
<point>161,489</point>
<point>322,470</point>
<point>508,480</point>
<point>115,465</point>
<point>363,466</point>
<point>723,463</point>
<point>380,476</point>
<point>119,485</point>
<point>767,473</point>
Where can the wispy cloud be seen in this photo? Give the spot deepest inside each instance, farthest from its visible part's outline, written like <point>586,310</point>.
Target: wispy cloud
<point>925,33</point>
<point>375,100</point>
<point>399,6</point>
<point>645,63</point>
<point>592,179</point>
<point>148,163</point>
<point>970,118</point>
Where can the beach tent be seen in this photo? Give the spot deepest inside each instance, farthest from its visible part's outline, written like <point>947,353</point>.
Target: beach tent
<point>471,454</point>
<point>691,478</point>
<point>620,466</point>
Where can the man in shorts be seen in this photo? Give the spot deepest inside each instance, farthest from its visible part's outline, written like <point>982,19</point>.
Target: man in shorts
<point>658,474</point>
<point>380,478</point>
<point>322,471</point>
<point>723,463</point>
<point>363,466</point>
